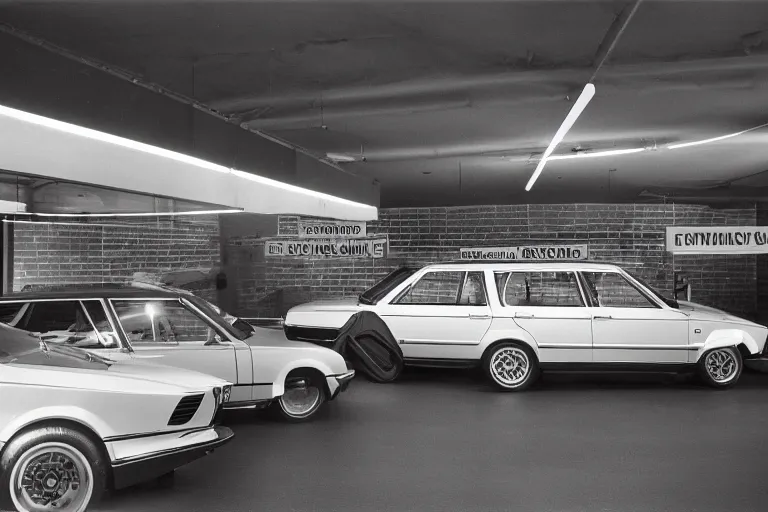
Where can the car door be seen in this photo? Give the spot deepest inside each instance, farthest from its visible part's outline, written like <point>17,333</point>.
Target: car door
<point>628,326</point>
<point>440,314</point>
<point>550,306</point>
<point>170,332</point>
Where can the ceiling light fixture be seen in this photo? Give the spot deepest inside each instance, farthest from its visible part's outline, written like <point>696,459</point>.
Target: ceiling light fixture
<point>340,158</point>
<point>715,139</point>
<point>139,214</point>
<point>578,107</point>
<point>154,150</point>
<point>597,154</point>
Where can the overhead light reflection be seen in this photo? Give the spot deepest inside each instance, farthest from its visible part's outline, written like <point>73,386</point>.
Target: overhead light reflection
<point>596,154</point>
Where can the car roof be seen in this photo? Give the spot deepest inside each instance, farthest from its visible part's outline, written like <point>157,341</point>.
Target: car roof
<point>501,265</point>
<point>127,292</point>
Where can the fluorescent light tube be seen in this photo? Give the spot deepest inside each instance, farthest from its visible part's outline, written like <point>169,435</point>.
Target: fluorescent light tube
<point>140,214</point>
<point>596,154</point>
<point>714,139</point>
<point>578,107</point>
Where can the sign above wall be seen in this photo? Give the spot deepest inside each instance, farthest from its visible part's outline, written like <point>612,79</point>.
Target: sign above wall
<point>327,248</point>
<point>717,240</point>
<point>330,228</point>
<point>527,252</point>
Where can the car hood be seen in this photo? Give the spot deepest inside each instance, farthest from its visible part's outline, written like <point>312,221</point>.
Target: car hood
<point>348,304</point>
<point>700,312</point>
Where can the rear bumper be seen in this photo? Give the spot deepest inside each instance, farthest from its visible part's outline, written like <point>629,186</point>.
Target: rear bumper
<point>339,383</point>
<point>132,470</point>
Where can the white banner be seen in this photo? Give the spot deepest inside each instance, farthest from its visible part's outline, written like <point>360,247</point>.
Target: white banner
<point>330,229</point>
<point>527,252</point>
<point>338,248</point>
<point>717,240</point>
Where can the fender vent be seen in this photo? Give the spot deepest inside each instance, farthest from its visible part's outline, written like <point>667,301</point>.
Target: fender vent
<point>186,409</point>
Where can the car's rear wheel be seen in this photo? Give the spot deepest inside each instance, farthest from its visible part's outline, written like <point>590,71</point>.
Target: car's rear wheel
<point>511,366</point>
<point>52,468</point>
<point>303,397</point>
<point>721,367</point>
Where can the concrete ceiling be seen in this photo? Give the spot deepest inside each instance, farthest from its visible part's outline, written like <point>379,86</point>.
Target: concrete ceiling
<point>450,102</point>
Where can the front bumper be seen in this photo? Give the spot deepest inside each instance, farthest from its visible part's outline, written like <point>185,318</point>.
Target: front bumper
<point>757,363</point>
<point>339,383</point>
<point>132,470</point>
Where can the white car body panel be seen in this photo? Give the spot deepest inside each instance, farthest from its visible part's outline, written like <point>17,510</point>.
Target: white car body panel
<point>126,406</point>
<point>659,334</point>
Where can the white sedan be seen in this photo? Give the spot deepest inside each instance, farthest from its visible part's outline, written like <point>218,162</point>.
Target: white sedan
<point>171,327</point>
<point>515,319</point>
<point>73,424</point>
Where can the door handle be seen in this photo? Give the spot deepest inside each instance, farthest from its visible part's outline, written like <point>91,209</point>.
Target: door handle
<point>602,317</point>
<point>523,315</point>
<point>479,317</point>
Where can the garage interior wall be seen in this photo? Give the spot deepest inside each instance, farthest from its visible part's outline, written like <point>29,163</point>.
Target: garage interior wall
<point>109,250</point>
<point>632,235</point>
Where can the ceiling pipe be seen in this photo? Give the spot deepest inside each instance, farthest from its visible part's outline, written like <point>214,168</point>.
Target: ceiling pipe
<point>157,89</point>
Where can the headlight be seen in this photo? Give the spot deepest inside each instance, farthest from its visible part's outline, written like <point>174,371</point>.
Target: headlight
<point>227,393</point>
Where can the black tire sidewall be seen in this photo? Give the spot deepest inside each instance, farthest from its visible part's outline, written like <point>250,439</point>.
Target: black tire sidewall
<point>277,406</point>
<point>533,363</point>
<point>28,439</point>
<point>708,380</point>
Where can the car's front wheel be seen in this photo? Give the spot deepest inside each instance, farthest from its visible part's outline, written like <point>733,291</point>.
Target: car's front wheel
<point>52,468</point>
<point>721,367</point>
<point>303,397</point>
<point>511,366</point>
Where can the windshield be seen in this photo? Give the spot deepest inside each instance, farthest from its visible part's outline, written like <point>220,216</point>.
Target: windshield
<point>217,315</point>
<point>667,300</point>
<point>378,291</point>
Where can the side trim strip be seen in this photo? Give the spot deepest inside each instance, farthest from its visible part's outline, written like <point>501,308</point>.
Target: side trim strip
<point>623,347</point>
<point>445,343</point>
<point>126,437</point>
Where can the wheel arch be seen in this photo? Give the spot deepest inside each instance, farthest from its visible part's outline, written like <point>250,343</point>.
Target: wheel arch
<point>307,365</point>
<point>741,340</point>
<point>487,350</point>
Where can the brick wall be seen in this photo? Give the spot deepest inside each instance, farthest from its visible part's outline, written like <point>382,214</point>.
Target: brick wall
<point>71,253</point>
<point>632,235</point>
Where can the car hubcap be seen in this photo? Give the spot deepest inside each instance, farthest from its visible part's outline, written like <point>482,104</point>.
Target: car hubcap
<point>721,365</point>
<point>300,401</point>
<point>510,366</point>
<point>52,476</point>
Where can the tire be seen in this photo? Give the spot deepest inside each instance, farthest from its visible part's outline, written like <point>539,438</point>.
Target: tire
<point>515,355</point>
<point>299,403</point>
<point>74,456</point>
<point>721,368</point>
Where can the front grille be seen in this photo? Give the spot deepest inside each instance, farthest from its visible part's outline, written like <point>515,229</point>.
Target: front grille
<point>186,409</point>
<point>319,335</point>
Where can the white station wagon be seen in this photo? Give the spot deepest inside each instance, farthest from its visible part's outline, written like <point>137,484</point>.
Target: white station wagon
<point>518,318</point>
<point>151,324</point>
<point>73,424</point>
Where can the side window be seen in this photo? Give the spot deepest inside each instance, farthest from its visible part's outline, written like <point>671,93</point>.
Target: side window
<point>560,289</point>
<point>9,310</point>
<point>161,321</point>
<point>473,290</point>
<point>609,289</point>
<point>435,288</point>
<point>69,322</point>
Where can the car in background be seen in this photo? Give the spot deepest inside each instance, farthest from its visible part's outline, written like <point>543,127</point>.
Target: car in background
<point>73,424</point>
<point>517,318</point>
<point>159,325</point>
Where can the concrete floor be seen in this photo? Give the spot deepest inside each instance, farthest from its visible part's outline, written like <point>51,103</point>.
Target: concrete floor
<point>443,441</point>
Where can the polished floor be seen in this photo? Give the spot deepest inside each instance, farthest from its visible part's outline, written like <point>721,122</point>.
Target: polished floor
<point>443,441</point>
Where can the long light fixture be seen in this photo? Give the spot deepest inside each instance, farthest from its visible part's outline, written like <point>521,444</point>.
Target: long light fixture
<point>154,150</point>
<point>715,139</point>
<point>597,154</point>
<point>139,214</point>
<point>581,103</point>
